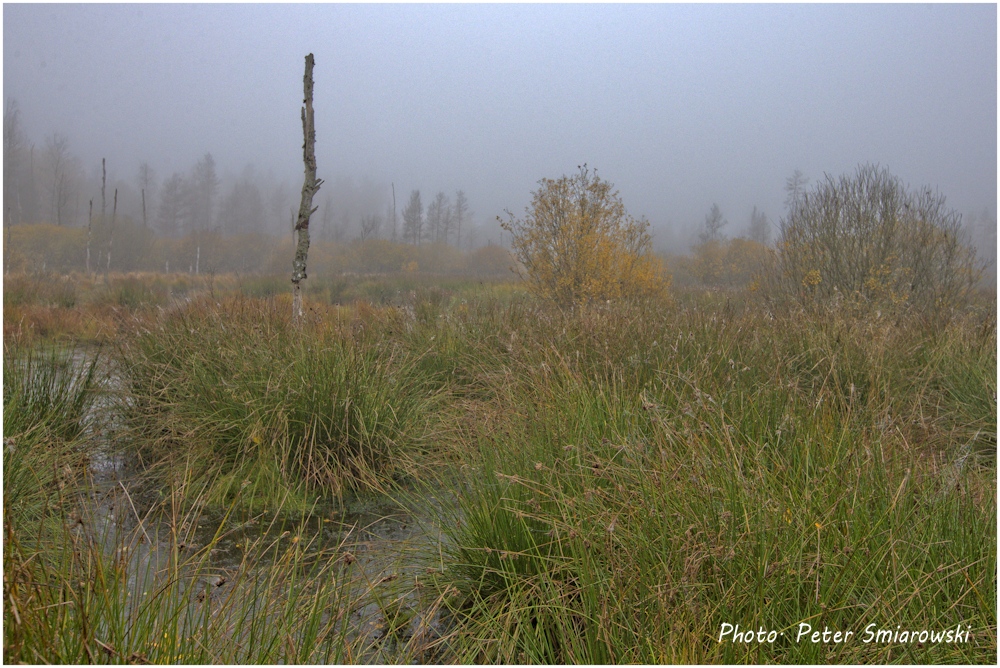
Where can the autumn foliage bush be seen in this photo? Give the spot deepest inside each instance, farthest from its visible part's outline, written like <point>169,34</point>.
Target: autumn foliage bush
<point>577,243</point>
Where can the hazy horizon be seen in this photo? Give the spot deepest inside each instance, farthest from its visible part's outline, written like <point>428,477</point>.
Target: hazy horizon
<point>680,106</point>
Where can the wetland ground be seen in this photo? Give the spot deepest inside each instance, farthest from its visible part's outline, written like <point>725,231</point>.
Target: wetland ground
<point>450,471</point>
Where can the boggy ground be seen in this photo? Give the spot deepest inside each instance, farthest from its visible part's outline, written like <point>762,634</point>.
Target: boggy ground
<point>609,484</point>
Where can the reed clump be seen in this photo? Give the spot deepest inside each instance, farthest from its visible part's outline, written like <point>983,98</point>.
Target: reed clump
<point>47,396</point>
<point>236,385</point>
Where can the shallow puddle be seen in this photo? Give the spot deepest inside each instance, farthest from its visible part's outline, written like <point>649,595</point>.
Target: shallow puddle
<point>383,550</point>
<point>384,553</point>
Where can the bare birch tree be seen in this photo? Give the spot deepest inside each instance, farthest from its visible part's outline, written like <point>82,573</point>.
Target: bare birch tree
<point>13,152</point>
<point>6,246</point>
<point>413,219</point>
<point>309,188</point>
<point>370,226</point>
<point>104,183</point>
<point>58,157</point>
<point>393,211</point>
<point>462,215</point>
<point>111,236</point>
<point>760,227</point>
<point>145,180</point>
<point>90,225</point>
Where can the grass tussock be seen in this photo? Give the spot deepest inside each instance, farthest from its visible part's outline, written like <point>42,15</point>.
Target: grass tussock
<point>98,574</point>
<point>47,396</point>
<point>237,386</point>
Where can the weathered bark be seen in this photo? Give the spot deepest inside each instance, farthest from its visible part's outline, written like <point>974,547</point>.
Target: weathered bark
<point>309,188</point>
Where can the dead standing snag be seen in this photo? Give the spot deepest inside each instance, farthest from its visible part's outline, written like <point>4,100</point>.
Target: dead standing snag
<point>309,188</point>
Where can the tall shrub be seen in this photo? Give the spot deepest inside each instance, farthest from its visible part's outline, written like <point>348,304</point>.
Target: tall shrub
<point>578,244</point>
<point>869,238</point>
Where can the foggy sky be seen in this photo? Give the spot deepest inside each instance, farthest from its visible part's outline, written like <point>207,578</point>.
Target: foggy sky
<point>681,106</point>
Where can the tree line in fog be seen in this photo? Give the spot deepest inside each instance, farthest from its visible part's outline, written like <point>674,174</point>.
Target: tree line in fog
<point>47,183</point>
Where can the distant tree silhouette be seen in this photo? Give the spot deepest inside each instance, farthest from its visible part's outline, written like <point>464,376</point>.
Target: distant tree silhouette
<point>714,222</point>
<point>413,219</point>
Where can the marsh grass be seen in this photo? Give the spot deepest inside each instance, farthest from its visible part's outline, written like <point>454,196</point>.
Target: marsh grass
<point>620,480</point>
<point>85,582</point>
<point>99,575</point>
<point>320,409</point>
<point>85,309</point>
<point>47,394</point>
<point>652,476</point>
<point>47,389</point>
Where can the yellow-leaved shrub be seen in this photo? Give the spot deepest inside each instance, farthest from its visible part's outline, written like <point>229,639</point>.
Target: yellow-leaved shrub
<point>577,244</point>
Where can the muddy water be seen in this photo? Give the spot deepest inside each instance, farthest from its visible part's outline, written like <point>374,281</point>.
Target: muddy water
<point>387,548</point>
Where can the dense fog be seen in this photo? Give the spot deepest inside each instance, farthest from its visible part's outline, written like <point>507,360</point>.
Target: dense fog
<point>186,118</point>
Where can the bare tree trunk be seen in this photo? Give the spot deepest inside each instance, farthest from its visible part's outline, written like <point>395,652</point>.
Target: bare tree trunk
<point>104,182</point>
<point>393,211</point>
<point>309,188</point>
<point>90,223</point>
<point>144,222</point>
<point>6,246</point>
<point>111,236</point>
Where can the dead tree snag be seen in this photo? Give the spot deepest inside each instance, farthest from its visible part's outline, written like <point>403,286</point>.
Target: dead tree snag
<point>309,188</point>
